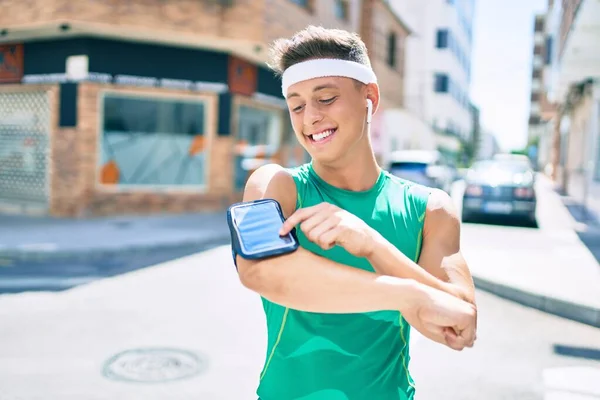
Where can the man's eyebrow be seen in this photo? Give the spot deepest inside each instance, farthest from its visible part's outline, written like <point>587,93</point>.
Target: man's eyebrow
<point>316,89</point>
<point>326,86</point>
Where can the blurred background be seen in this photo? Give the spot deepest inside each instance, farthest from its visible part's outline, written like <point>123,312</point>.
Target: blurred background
<point>128,126</point>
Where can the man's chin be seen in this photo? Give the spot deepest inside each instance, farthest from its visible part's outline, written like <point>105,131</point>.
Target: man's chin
<point>326,158</point>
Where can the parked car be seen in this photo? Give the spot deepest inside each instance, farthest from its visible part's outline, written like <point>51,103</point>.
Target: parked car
<point>500,187</point>
<point>427,168</point>
<point>513,157</point>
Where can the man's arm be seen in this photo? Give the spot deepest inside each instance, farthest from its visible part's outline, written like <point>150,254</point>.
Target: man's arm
<point>441,264</point>
<point>305,281</point>
<point>441,255</point>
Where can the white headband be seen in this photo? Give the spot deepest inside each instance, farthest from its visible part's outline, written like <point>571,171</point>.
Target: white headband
<point>326,67</point>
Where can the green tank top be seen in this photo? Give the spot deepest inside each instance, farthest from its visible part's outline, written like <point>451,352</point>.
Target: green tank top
<point>363,356</point>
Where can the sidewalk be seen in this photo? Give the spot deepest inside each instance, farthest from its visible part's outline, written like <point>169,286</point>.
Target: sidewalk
<point>555,272</point>
<point>29,239</point>
<point>52,254</point>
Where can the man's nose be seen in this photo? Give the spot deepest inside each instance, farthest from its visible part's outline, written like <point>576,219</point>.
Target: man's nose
<point>312,115</point>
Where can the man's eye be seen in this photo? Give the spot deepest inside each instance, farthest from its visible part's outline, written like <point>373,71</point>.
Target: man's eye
<point>328,101</point>
<point>297,109</point>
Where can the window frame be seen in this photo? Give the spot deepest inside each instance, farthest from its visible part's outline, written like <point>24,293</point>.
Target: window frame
<point>447,81</point>
<point>392,50</point>
<point>209,101</point>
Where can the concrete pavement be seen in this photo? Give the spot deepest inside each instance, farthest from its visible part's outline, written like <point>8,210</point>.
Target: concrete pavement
<point>187,330</point>
<point>189,318</point>
<point>30,239</point>
<point>53,254</point>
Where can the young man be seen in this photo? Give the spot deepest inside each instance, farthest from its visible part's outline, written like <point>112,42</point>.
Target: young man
<point>378,254</point>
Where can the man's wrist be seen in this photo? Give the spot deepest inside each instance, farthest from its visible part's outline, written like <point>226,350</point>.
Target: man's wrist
<point>412,295</point>
<point>377,243</point>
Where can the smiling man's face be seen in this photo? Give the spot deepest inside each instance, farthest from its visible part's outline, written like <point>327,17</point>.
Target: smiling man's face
<point>329,116</point>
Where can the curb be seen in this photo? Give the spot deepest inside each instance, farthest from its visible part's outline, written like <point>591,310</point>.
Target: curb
<point>561,308</point>
<point>11,258</point>
<point>37,270</point>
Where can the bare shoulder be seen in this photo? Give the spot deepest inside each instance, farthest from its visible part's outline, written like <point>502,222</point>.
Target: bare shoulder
<point>274,182</point>
<point>441,214</point>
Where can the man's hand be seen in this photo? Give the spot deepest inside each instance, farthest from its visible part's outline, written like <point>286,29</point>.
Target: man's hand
<point>328,225</point>
<point>444,318</point>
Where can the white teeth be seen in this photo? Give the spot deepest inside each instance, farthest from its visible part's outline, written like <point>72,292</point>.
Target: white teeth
<point>322,135</point>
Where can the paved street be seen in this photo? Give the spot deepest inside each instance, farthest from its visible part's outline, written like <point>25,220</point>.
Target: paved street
<point>57,344</point>
<point>513,353</point>
<point>187,329</point>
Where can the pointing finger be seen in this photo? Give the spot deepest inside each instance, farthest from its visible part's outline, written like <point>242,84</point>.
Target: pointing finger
<point>297,217</point>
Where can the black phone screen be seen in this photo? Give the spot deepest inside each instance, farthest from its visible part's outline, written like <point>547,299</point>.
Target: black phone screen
<point>258,226</point>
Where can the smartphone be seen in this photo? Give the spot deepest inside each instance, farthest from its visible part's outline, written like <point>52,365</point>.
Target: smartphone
<point>254,228</point>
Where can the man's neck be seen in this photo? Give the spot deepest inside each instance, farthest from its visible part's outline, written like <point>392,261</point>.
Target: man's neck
<point>357,172</point>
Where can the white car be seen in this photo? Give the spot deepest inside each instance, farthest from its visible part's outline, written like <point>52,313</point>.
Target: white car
<point>424,167</point>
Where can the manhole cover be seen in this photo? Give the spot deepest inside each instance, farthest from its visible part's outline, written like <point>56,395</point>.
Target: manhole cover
<point>153,365</point>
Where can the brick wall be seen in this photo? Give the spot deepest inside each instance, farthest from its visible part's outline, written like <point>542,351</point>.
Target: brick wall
<point>76,191</point>
<point>241,20</point>
<point>74,165</point>
<point>283,17</point>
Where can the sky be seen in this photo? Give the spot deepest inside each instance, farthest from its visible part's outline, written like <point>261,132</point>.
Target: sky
<point>501,67</point>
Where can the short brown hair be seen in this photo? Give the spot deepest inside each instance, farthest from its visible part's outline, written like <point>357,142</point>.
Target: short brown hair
<point>317,42</point>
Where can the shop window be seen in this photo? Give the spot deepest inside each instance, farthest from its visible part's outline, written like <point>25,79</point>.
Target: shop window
<point>149,142</point>
<point>259,133</point>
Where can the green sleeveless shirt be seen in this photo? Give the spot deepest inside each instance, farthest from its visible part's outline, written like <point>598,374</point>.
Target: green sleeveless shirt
<point>313,356</point>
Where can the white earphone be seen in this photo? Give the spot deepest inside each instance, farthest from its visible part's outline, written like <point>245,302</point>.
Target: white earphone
<point>369,110</point>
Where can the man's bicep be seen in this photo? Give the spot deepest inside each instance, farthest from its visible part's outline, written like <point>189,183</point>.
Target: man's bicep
<point>441,235</point>
<point>441,255</point>
<point>268,182</point>
<point>272,182</point>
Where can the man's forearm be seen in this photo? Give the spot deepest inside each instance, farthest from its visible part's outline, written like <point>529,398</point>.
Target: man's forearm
<point>305,281</point>
<point>386,259</point>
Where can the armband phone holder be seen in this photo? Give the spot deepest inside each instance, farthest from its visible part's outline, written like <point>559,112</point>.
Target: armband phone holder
<point>254,227</point>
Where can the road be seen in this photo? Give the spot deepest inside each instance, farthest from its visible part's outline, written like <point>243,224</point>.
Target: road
<point>56,344</point>
<point>515,349</point>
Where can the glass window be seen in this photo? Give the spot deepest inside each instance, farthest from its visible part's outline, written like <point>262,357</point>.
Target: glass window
<point>391,60</point>
<point>441,39</point>
<point>148,141</point>
<point>259,134</point>
<point>548,54</point>
<point>441,84</point>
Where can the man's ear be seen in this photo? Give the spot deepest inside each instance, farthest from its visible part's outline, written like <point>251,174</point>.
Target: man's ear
<point>373,95</point>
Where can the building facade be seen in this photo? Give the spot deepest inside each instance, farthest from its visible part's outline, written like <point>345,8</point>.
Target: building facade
<point>157,106</point>
<point>573,84</point>
<point>541,110</point>
<point>438,72</point>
